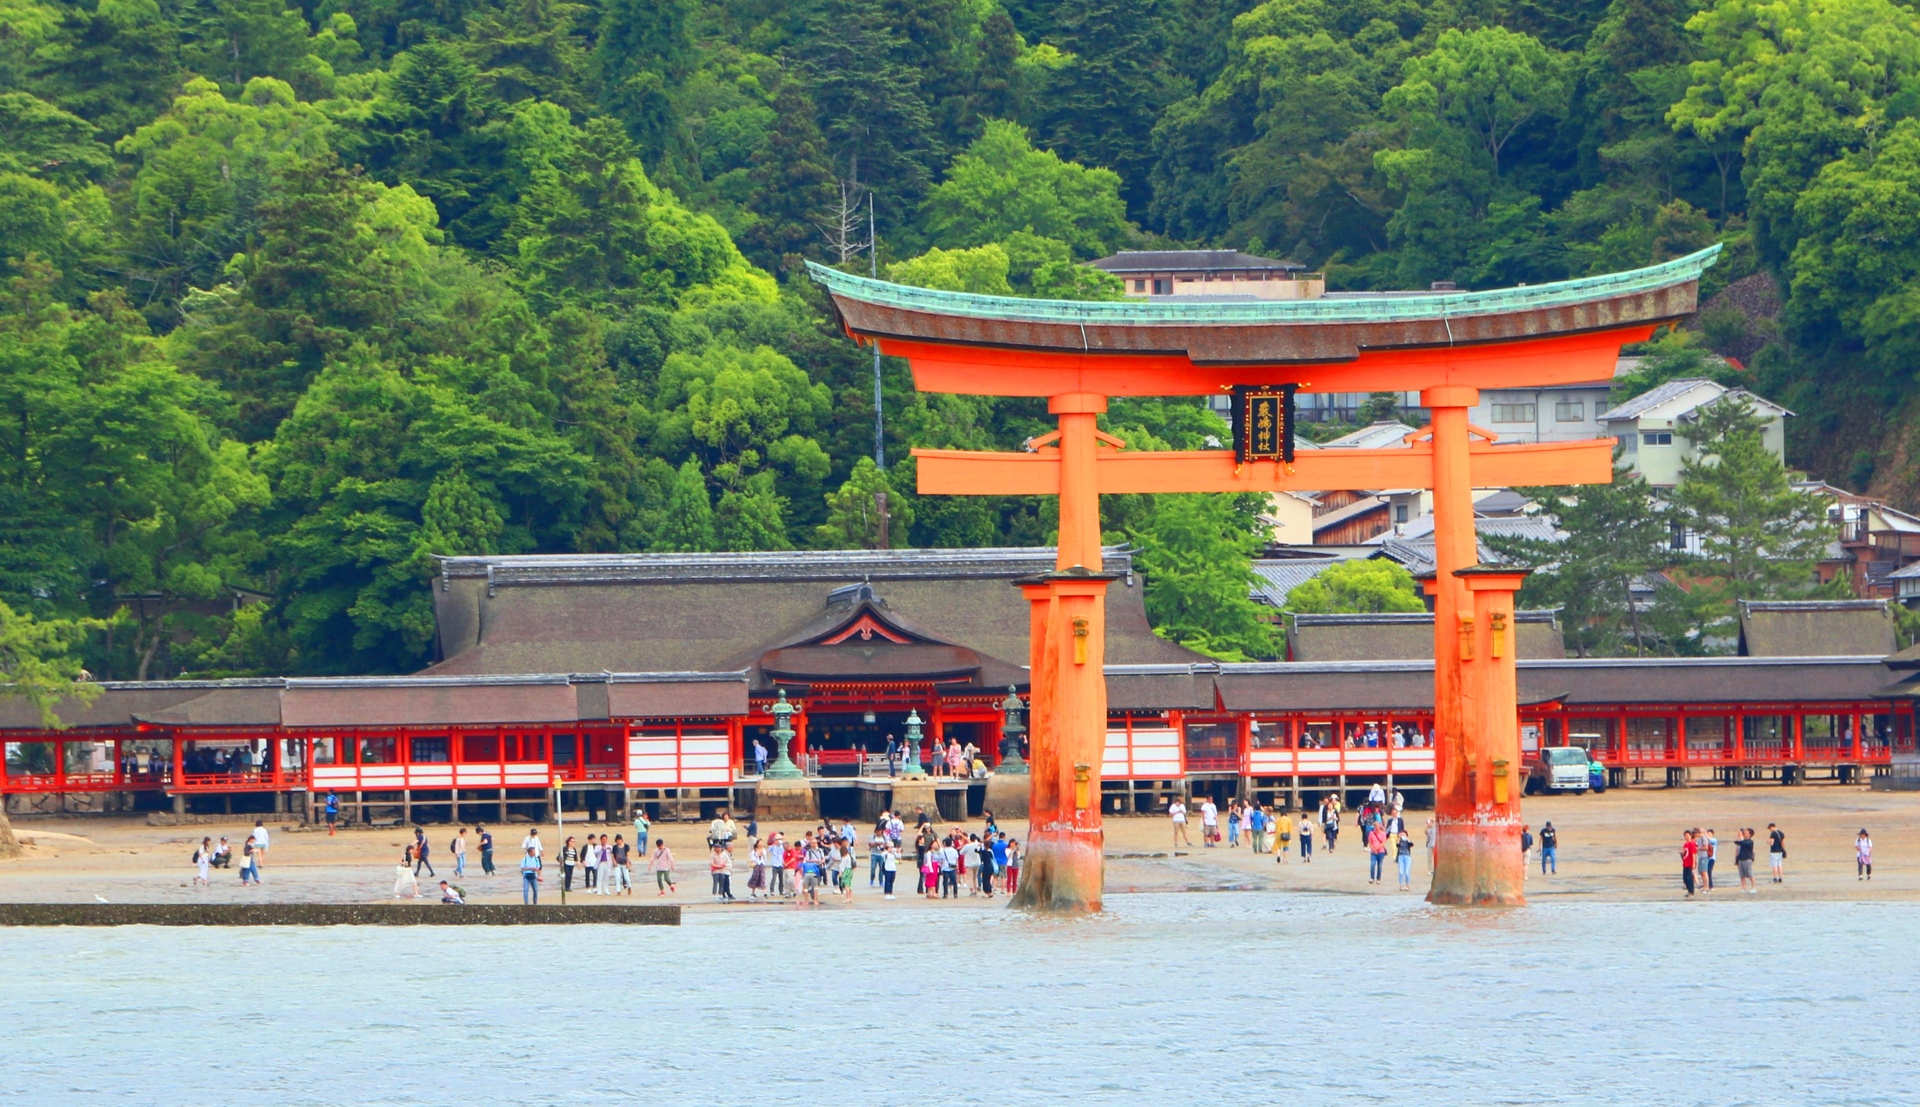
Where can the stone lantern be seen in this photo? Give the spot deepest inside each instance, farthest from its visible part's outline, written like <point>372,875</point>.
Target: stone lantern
<point>1011,731</point>
<point>783,767</point>
<point>910,765</point>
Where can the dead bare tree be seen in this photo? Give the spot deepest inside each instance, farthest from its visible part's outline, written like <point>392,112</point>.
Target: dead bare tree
<point>845,221</point>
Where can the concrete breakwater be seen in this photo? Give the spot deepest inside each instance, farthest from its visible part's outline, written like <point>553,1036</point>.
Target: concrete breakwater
<point>330,914</point>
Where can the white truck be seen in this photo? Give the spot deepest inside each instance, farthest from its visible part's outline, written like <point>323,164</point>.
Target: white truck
<point>1560,769</point>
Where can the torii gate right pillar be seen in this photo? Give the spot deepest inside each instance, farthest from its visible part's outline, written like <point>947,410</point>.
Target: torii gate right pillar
<point>1477,858</point>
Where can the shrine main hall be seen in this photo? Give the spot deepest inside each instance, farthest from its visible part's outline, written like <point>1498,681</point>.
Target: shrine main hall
<point>646,679</point>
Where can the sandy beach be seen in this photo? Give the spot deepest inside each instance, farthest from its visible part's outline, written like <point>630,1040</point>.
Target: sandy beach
<point>1619,846</point>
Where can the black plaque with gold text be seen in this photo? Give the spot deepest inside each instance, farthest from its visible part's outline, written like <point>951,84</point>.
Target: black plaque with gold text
<point>1263,422</point>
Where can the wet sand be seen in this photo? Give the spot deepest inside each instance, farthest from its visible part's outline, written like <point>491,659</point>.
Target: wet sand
<point>1619,846</point>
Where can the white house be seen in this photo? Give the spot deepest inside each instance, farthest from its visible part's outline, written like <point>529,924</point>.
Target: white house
<point>1652,427</point>
<point>1557,413</point>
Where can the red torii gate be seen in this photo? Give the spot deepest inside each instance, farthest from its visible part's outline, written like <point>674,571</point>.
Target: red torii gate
<point>1445,345</point>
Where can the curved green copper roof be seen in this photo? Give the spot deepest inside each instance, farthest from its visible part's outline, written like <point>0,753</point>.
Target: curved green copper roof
<point>1389,308</point>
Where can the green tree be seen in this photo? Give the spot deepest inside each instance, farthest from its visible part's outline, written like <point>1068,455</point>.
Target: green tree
<point>1196,553</point>
<point>40,661</point>
<point>689,521</point>
<point>792,180</point>
<point>1856,268</point>
<point>39,139</point>
<point>1803,83</point>
<point>338,259</point>
<point>1760,538</point>
<point>853,511</point>
<point>1616,540</point>
<point>375,471</point>
<point>1360,585</point>
<point>980,269</point>
<point>204,170</point>
<point>752,516</point>
<point>435,126</point>
<point>531,50</point>
<point>1000,185</point>
<point>1102,105</point>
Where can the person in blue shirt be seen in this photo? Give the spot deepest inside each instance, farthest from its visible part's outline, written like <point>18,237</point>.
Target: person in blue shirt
<point>530,877</point>
<point>999,848</point>
<point>333,813</point>
<point>486,850</point>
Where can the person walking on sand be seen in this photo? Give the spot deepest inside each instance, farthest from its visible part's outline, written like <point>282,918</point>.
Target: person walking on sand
<point>486,851</point>
<point>1549,850</point>
<point>1526,849</point>
<point>1330,822</point>
<point>1689,856</point>
<point>203,863</point>
<point>1306,839</point>
<point>1777,852</point>
<point>1209,823</point>
<point>1403,856</point>
<point>1710,855</point>
<point>1743,859</point>
<point>333,813</point>
<point>420,849</point>
<point>662,865</point>
<point>530,877</point>
<point>1284,828</point>
<point>889,867</point>
<point>1700,860</point>
<point>1013,866</point>
<point>720,864</point>
<point>1177,811</point>
<point>569,857</point>
<point>642,826</point>
<point>1376,853</point>
<point>1863,856</point>
<point>405,881</point>
<point>458,847</point>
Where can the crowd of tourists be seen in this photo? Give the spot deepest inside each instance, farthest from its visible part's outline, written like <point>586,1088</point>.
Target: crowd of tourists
<point>825,861</point>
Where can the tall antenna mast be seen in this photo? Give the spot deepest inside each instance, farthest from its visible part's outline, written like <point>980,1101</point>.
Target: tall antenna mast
<point>879,419</point>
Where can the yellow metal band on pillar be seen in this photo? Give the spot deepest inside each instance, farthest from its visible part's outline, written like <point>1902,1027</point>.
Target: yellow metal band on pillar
<point>1466,638</point>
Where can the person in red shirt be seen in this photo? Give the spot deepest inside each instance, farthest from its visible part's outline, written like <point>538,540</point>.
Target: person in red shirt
<point>1689,853</point>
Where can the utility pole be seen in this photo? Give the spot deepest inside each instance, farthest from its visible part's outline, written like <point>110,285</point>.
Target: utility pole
<point>879,419</point>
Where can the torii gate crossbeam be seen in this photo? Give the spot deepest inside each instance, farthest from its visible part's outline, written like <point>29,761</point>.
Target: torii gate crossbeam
<point>1447,346</point>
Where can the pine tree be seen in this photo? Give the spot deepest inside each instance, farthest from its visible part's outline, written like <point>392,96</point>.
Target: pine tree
<point>1760,538</point>
<point>1103,106</point>
<point>688,526</point>
<point>793,182</point>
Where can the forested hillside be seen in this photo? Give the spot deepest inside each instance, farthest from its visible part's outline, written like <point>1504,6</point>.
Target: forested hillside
<point>297,297</point>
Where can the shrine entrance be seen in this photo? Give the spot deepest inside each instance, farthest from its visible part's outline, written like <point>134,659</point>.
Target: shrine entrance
<point>1445,345</point>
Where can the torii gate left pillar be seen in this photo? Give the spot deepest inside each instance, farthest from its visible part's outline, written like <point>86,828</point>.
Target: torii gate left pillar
<point>1062,869</point>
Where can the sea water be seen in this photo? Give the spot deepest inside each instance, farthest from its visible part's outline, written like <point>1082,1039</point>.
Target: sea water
<point>1240,998</point>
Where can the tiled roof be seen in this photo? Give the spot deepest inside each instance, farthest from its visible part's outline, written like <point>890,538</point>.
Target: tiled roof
<point>1652,398</point>
<point>1279,576</point>
<point>1379,435</point>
